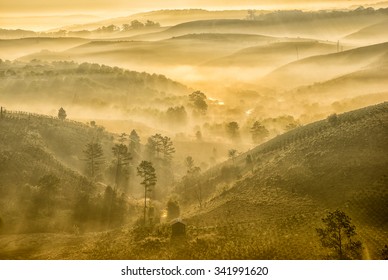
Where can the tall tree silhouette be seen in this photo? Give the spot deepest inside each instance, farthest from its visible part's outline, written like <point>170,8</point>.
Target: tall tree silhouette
<point>122,158</point>
<point>337,235</point>
<point>62,114</point>
<point>94,157</point>
<point>147,172</point>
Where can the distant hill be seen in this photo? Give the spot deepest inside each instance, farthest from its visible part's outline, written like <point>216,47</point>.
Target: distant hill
<point>164,17</point>
<point>340,163</point>
<point>325,67</point>
<point>14,48</point>
<point>316,25</point>
<point>369,84</point>
<point>186,50</point>
<point>274,54</point>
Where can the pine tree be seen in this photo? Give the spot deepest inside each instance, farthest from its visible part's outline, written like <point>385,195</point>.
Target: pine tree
<point>94,157</point>
<point>337,235</point>
<point>122,158</point>
<point>259,132</point>
<point>62,114</point>
<point>134,145</point>
<point>147,172</point>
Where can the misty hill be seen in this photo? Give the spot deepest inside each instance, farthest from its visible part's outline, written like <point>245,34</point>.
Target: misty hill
<point>186,50</point>
<point>93,86</point>
<point>373,34</point>
<point>272,213</point>
<point>164,17</point>
<point>317,25</point>
<point>369,84</point>
<point>35,152</point>
<point>335,163</point>
<point>14,48</point>
<point>325,67</point>
<point>273,55</point>
<point>16,33</point>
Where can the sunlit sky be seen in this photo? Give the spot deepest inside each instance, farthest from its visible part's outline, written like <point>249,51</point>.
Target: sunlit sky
<point>41,15</point>
<point>45,6</point>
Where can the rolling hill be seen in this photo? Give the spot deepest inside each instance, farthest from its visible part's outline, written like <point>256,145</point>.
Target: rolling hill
<point>274,54</point>
<point>14,48</point>
<point>357,84</point>
<point>320,26</point>
<point>325,67</point>
<point>90,86</point>
<point>190,49</point>
<point>268,210</point>
<point>41,171</point>
<point>164,17</point>
<point>373,34</point>
<point>301,174</point>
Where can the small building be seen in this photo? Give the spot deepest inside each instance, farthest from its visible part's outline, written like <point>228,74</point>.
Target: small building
<point>178,228</point>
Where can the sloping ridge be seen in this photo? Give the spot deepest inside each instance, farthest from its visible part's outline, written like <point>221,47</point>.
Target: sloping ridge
<point>325,67</point>
<point>375,33</point>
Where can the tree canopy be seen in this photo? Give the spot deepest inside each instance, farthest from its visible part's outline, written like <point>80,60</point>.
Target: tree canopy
<point>62,114</point>
<point>337,236</point>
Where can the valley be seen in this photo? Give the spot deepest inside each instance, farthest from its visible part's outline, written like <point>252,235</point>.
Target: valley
<point>247,126</point>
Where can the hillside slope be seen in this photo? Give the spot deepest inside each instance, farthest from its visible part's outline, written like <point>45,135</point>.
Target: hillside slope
<point>40,163</point>
<point>300,175</point>
<point>325,67</point>
<point>93,87</point>
<point>274,54</point>
<point>269,211</point>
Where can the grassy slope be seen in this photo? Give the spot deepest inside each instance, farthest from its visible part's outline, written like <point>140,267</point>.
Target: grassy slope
<point>311,169</point>
<point>272,213</point>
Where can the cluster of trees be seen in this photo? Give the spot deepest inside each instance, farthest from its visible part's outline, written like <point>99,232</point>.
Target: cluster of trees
<point>135,24</point>
<point>299,15</point>
<point>151,164</point>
